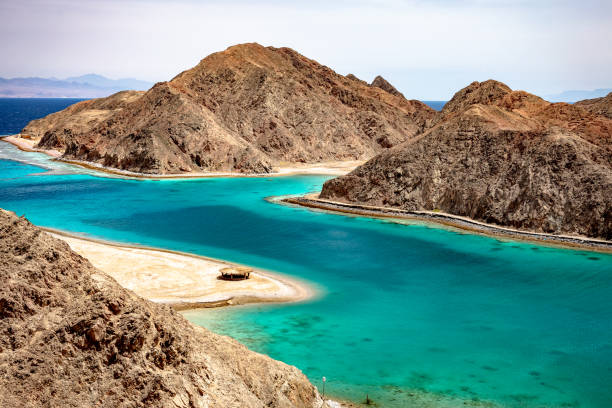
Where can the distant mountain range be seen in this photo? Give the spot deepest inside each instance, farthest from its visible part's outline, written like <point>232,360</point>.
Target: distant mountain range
<point>85,86</point>
<point>577,95</point>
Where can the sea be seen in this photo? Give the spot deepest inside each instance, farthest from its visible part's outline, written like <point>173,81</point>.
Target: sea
<point>436,105</point>
<point>408,314</point>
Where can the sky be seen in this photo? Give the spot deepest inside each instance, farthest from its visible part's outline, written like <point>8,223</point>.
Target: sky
<point>427,49</point>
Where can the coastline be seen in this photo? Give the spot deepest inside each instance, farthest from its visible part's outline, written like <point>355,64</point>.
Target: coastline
<point>313,201</point>
<point>299,291</point>
<point>27,145</point>
<point>182,280</point>
<point>212,304</point>
<point>332,168</point>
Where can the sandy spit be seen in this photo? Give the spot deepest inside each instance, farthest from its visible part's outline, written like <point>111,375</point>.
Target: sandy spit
<point>454,221</point>
<point>182,280</point>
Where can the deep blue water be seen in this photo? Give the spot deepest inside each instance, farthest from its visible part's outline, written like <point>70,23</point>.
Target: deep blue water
<point>437,105</point>
<point>406,311</point>
<point>15,113</point>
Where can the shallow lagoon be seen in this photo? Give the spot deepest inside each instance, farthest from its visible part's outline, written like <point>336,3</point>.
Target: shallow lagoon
<point>404,309</point>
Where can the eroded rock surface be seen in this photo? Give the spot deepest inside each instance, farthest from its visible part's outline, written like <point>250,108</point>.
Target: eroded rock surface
<point>70,336</point>
<point>500,156</point>
<point>599,106</point>
<point>246,109</point>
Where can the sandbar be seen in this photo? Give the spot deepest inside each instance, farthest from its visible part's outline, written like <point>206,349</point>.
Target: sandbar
<point>184,281</point>
<point>448,220</point>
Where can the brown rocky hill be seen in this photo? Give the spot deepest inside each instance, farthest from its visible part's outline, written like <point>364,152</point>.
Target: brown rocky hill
<point>70,336</point>
<point>500,156</point>
<point>78,118</point>
<point>599,106</point>
<point>245,109</point>
<point>382,83</point>
<point>485,93</point>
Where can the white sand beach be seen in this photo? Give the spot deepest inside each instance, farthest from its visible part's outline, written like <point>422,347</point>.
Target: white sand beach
<point>183,280</point>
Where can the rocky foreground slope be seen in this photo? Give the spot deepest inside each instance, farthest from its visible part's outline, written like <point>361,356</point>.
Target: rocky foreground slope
<point>500,156</point>
<point>246,109</point>
<point>70,336</point>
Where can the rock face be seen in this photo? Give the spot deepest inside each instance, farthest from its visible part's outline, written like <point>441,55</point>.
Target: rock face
<point>500,156</point>
<point>598,106</point>
<point>382,83</point>
<point>245,109</point>
<point>70,336</point>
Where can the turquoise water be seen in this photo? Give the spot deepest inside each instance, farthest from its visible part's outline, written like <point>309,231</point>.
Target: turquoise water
<point>404,309</point>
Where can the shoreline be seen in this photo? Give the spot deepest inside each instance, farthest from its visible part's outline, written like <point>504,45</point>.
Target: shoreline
<point>183,280</point>
<point>303,292</point>
<point>27,145</point>
<point>331,168</point>
<point>313,201</point>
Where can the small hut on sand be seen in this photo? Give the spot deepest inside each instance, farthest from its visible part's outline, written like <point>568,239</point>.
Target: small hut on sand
<point>235,273</point>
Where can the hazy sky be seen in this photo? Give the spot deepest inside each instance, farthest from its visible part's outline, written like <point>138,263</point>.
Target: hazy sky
<point>427,49</point>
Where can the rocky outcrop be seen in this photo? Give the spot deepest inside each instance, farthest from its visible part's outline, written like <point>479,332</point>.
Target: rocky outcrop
<point>500,156</point>
<point>70,336</point>
<point>382,83</point>
<point>598,106</point>
<point>485,93</point>
<point>245,109</point>
<point>354,78</point>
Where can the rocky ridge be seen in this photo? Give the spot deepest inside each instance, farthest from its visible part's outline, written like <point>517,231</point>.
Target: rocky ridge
<point>70,336</point>
<point>246,109</point>
<point>382,83</point>
<point>599,106</point>
<point>499,156</point>
<point>78,118</point>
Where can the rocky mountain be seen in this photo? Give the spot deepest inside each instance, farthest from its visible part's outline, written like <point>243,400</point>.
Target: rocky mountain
<point>382,83</point>
<point>246,109</point>
<point>485,93</point>
<point>599,106</point>
<point>354,78</point>
<point>500,156</point>
<point>85,86</point>
<point>70,336</point>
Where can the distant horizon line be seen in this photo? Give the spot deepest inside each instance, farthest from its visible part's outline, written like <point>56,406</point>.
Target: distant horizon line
<point>569,95</point>
<point>54,78</point>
